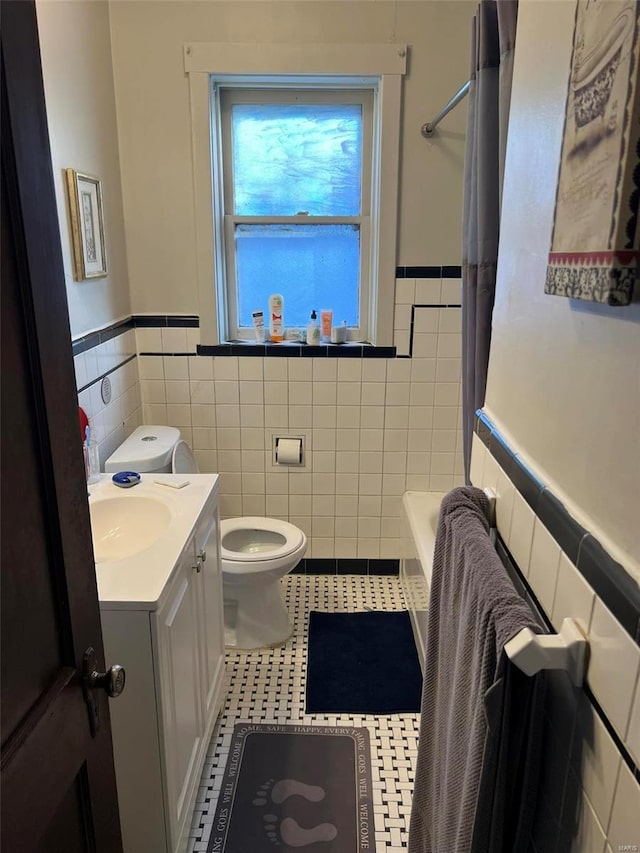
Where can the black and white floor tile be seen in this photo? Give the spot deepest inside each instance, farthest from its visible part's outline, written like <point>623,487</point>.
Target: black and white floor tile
<point>269,687</point>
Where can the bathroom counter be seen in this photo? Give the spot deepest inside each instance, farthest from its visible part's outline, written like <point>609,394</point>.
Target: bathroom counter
<point>140,581</point>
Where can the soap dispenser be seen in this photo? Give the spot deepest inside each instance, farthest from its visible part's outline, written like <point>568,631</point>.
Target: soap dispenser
<point>313,330</point>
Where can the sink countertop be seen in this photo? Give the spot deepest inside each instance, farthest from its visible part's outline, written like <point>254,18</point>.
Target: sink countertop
<point>137,582</point>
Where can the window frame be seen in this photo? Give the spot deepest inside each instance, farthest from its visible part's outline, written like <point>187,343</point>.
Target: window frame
<point>225,96</point>
<point>210,65</point>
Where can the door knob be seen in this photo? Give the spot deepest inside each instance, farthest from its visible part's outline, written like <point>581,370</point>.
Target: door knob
<point>112,681</point>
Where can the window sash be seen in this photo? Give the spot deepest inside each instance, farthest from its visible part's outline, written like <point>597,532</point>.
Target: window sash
<point>285,94</point>
<point>354,333</point>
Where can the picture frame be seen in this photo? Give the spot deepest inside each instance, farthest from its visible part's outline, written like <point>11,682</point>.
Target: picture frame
<point>87,225</point>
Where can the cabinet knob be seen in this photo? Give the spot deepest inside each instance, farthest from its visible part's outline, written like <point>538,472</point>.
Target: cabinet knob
<point>197,566</point>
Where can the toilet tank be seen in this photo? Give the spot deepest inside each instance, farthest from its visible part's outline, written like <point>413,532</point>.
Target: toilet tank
<point>147,450</point>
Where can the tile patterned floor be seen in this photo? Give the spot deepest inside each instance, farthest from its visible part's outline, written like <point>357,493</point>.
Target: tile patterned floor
<point>269,687</point>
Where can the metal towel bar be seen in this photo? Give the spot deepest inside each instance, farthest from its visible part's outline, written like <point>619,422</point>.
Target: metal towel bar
<point>532,652</point>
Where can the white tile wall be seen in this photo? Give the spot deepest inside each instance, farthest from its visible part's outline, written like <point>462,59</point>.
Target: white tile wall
<point>112,423</point>
<point>375,427</point>
<point>363,445</point>
<point>624,827</point>
<point>613,666</point>
<point>597,809</point>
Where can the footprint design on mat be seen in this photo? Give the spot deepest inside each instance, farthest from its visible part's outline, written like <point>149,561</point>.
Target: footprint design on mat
<point>289,830</point>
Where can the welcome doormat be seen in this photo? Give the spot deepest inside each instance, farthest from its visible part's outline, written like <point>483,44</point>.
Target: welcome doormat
<point>362,663</point>
<point>295,788</point>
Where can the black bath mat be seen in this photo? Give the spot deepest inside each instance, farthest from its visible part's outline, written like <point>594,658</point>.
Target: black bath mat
<point>295,788</point>
<point>362,663</point>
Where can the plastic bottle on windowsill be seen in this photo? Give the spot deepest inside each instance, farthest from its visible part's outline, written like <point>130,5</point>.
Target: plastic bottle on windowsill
<point>276,322</point>
<point>313,330</point>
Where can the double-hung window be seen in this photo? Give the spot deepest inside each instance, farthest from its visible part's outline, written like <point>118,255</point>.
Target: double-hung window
<point>295,181</point>
<point>296,197</point>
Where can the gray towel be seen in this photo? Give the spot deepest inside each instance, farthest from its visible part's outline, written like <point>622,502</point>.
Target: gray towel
<point>477,768</point>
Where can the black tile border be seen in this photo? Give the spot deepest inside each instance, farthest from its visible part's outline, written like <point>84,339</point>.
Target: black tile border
<point>94,339</point>
<point>166,321</point>
<point>294,350</point>
<point>446,271</point>
<point>107,373</point>
<point>608,578</point>
<point>567,532</point>
<point>347,566</point>
<point>451,272</point>
<point>611,583</point>
<point>521,584</point>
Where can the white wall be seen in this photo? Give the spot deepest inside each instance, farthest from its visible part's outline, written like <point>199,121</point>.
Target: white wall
<point>564,376</point>
<point>76,62</point>
<point>75,46</point>
<point>152,99</point>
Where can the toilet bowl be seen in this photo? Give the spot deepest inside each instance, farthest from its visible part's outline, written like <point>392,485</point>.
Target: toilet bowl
<point>256,553</point>
<point>153,449</point>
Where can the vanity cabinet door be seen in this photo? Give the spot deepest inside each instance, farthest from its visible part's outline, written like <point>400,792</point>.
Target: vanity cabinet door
<point>179,682</point>
<point>211,624</point>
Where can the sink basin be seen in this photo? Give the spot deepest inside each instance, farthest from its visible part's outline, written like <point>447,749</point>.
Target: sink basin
<point>122,526</point>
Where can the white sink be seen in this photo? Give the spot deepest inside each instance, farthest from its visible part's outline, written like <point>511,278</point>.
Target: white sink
<point>124,525</point>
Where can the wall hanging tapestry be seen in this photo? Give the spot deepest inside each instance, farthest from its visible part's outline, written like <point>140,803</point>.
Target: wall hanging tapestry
<point>594,243</point>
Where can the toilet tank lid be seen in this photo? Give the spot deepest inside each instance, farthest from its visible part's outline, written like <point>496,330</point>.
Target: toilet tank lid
<point>148,448</point>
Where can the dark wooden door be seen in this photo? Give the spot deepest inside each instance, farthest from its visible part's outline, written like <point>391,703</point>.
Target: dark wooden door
<point>58,788</point>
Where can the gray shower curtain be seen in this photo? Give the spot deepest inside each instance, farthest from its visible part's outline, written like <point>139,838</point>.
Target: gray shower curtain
<point>493,35</point>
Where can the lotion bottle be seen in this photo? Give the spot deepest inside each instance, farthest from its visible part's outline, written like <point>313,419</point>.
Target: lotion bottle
<point>276,322</point>
<point>313,330</point>
<point>326,318</point>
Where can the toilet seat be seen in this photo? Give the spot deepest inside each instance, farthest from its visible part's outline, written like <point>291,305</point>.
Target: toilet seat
<point>182,460</point>
<point>284,538</point>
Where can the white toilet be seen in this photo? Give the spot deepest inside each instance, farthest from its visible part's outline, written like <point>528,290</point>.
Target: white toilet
<point>153,450</point>
<point>255,552</point>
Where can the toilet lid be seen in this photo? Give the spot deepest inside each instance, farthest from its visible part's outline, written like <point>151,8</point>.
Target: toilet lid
<point>282,539</point>
<point>183,460</point>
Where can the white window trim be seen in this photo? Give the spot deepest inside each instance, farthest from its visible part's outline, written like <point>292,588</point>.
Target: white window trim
<point>204,62</point>
<point>285,92</point>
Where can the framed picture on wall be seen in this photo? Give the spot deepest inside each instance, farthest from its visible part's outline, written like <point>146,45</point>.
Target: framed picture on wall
<point>87,227</point>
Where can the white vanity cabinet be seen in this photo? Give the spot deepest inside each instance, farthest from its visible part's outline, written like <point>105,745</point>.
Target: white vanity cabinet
<point>173,655</point>
<point>189,637</point>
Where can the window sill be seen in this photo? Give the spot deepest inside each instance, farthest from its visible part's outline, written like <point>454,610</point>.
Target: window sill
<point>297,350</point>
